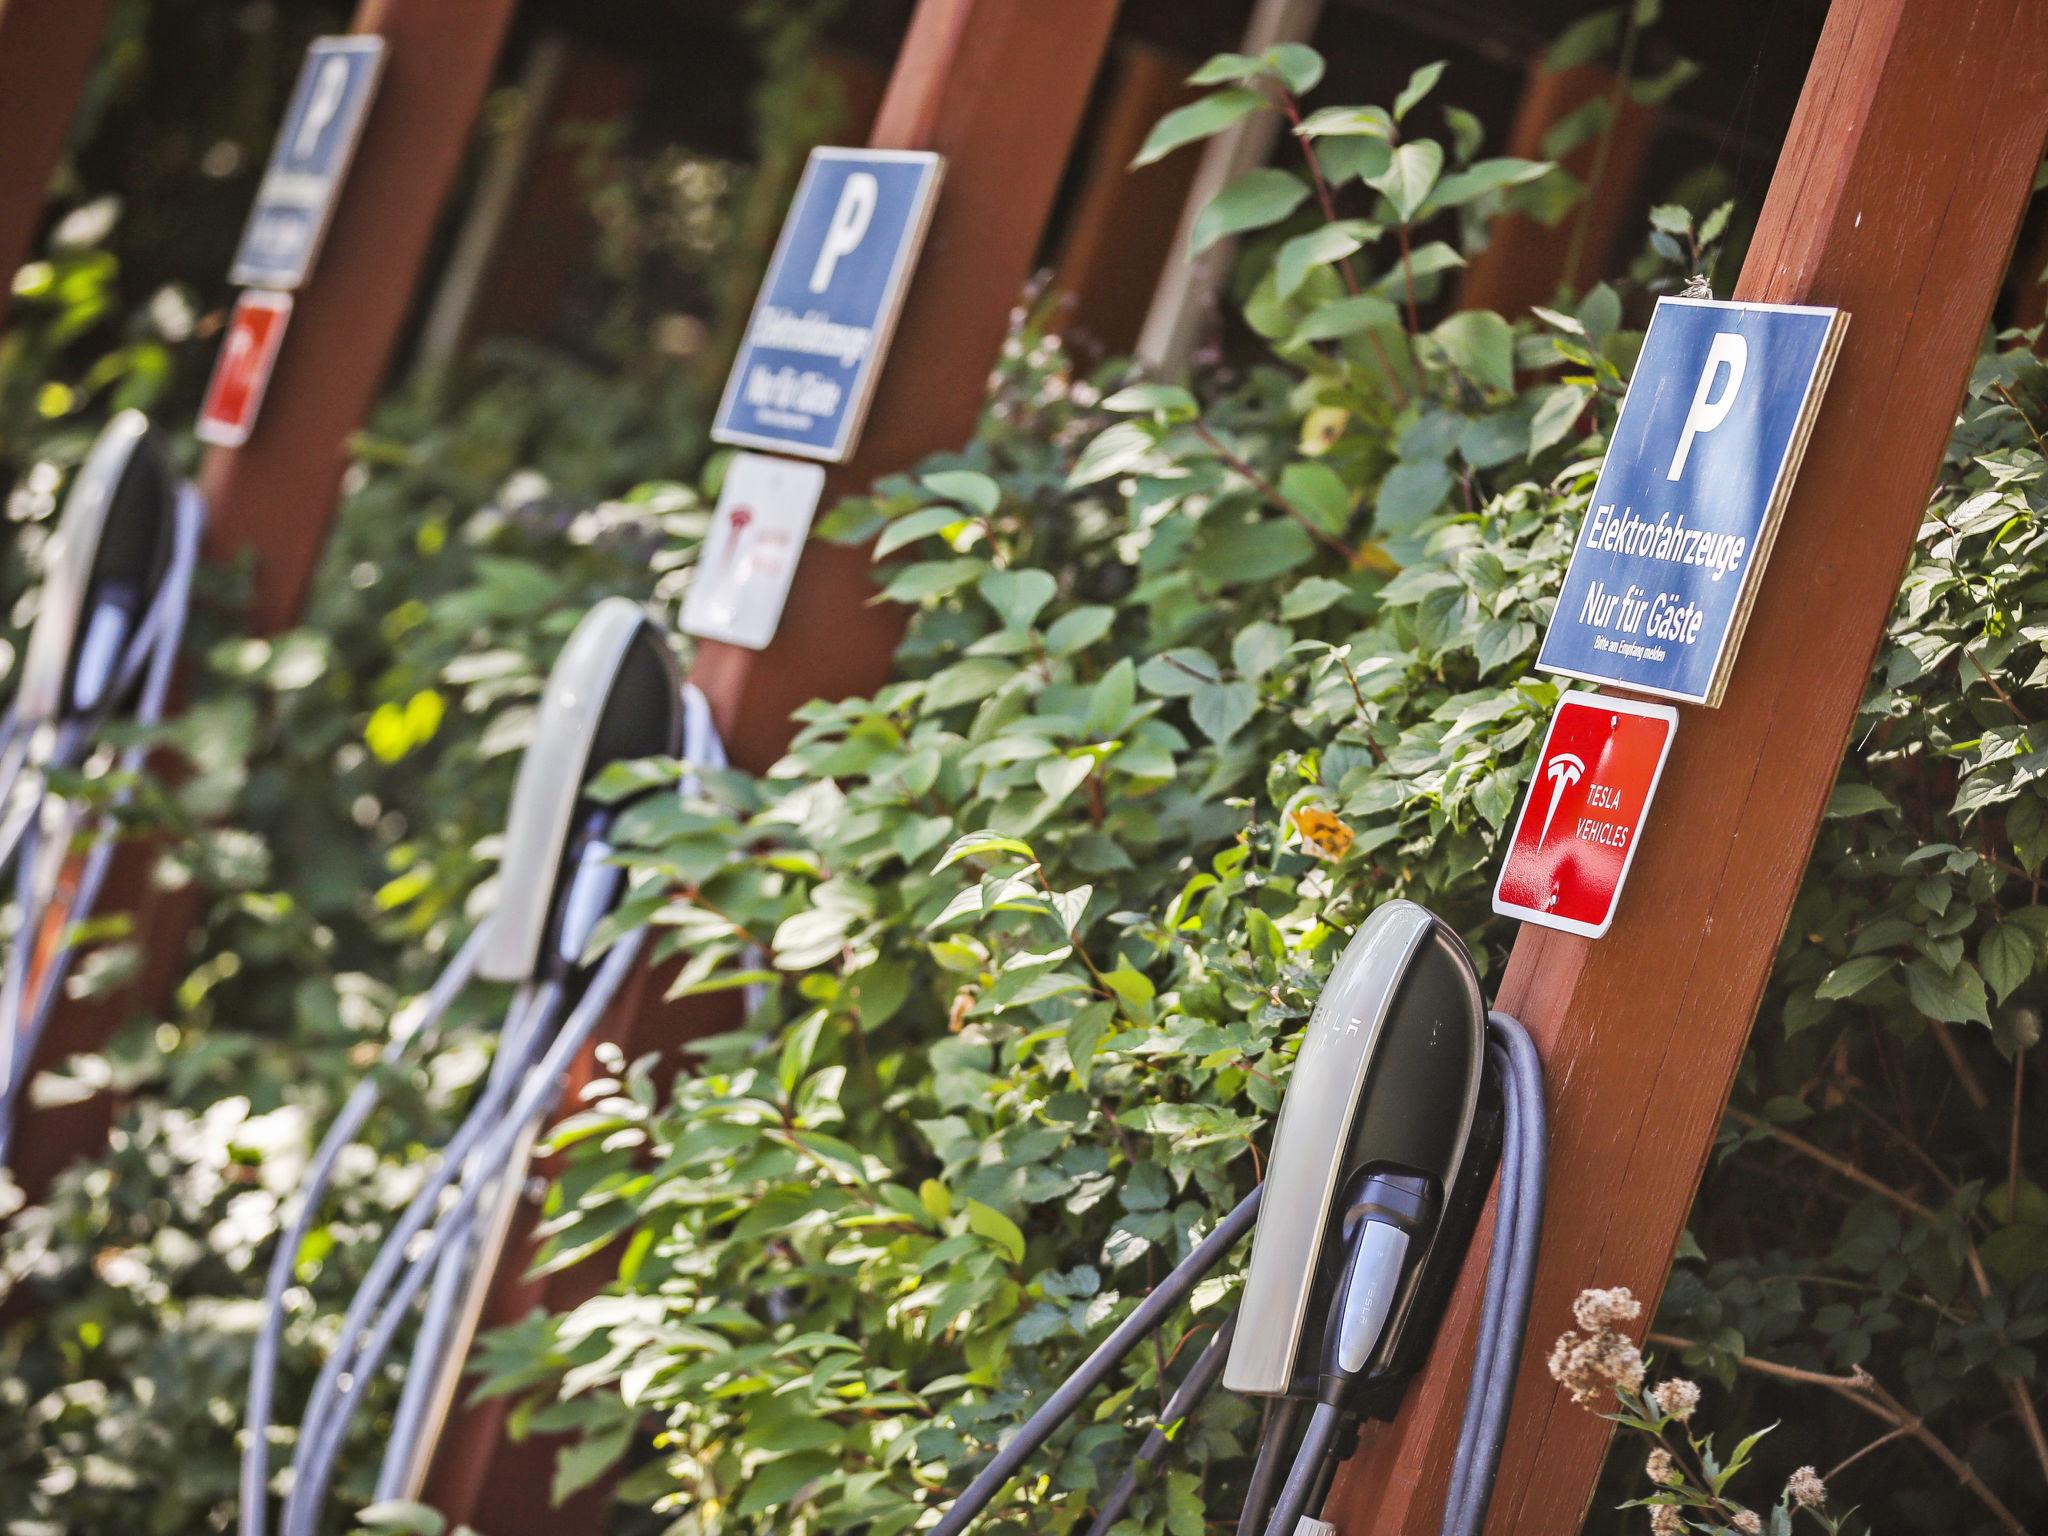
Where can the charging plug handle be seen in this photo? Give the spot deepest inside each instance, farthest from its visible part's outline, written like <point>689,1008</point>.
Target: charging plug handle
<point>1386,1223</point>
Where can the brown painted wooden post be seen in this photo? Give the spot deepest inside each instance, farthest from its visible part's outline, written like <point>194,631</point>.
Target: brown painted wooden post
<point>1120,236</point>
<point>998,87</point>
<point>1526,261</point>
<point>1897,197</point>
<point>46,53</point>
<point>273,499</point>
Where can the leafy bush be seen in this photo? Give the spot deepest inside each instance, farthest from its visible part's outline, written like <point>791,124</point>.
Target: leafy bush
<point>1188,688</point>
<point>1184,695</point>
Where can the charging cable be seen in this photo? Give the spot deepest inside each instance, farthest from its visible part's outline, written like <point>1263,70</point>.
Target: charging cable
<point>37,829</point>
<point>1384,1216</point>
<point>444,1242</point>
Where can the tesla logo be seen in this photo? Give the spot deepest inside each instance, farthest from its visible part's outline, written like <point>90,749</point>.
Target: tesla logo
<point>1563,771</point>
<point>741,516</point>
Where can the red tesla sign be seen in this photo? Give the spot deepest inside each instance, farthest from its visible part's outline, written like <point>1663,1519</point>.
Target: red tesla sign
<point>243,368</point>
<point>1584,812</point>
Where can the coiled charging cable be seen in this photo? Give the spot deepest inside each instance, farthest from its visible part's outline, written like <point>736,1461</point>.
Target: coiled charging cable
<point>439,1238</point>
<point>37,830</point>
<point>1275,1505</point>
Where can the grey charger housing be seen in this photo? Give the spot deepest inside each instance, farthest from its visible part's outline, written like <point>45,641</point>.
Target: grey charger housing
<point>614,694</point>
<point>1387,1078</point>
<point>115,526</point>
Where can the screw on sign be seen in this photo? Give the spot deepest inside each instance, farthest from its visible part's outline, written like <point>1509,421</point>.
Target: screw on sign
<point>242,370</point>
<point>1584,813</point>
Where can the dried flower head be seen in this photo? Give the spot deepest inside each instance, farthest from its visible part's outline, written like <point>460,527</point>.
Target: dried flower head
<point>1587,1365</point>
<point>1749,1523</point>
<point>1661,1467</point>
<point>1805,1490</point>
<point>1665,1520</point>
<point>1597,1309</point>
<point>1676,1398</point>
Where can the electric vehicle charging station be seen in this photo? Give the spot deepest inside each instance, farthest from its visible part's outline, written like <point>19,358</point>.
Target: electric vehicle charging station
<point>1406,1096</point>
<point>614,695</point>
<point>101,652</point>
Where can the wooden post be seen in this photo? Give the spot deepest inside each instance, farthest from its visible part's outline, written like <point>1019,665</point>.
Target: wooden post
<point>1121,235</point>
<point>274,497</point>
<point>998,88</point>
<point>1182,304</point>
<point>46,52</point>
<point>1897,196</point>
<point>1527,261</point>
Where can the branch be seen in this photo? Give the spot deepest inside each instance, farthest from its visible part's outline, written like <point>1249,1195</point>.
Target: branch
<point>1863,1390</point>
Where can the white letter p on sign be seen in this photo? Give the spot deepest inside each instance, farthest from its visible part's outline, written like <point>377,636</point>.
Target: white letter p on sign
<point>328,87</point>
<point>849,224</point>
<point>1705,415</point>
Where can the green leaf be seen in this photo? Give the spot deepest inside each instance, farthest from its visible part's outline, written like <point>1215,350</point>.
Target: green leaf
<point>1167,400</point>
<point>1312,596</point>
<point>1481,346</point>
<point>1114,451</point>
<point>1318,493</point>
<point>1223,68</point>
<point>986,1221</point>
<point>968,487</point>
<point>1857,800</point>
<point>1475,181</point>
<point>1347,122</point>
<point>1299,66</point>
<point>1419,85</point>
<point>1220,710</point>
<point>1353,158</point>
<point>1672,218</point>
<point>931,578</point>
<point>2006,956</point>
<point>1409,493</point>
<point>975,844</point>
<point>1110,701</point>
<point>1954,997</point>
<point>912,526</point>
<point>1410,176</point>
<point>402,1515</point>
<point>1198,120</point>
<point>1018,595</point>
<point>582,1463</point>
<point>1558,411</point>
<point>1852,976</point>
<point>1345,317</point>
<point>1318,248</point>
<point>1259,648</point>
<point>1253,201</point>
<point>1078,630</point>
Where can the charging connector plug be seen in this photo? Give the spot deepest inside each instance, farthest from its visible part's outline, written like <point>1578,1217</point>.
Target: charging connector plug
<point>1386,1225</point>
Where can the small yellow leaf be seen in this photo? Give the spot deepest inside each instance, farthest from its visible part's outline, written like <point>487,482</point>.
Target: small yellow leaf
<point>1323,833</point>
<point>1321,428</point>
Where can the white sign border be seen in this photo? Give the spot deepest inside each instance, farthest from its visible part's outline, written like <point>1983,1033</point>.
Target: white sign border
<point>855,416</point>
<point>1615,704</point>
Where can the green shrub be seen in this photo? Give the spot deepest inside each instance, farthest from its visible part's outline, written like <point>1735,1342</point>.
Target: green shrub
<point>1045,915</point>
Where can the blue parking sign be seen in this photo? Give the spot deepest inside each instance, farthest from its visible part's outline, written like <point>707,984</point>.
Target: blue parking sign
<point>309,159</point>
<point>813,348</point>
<point>1689,498</point>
